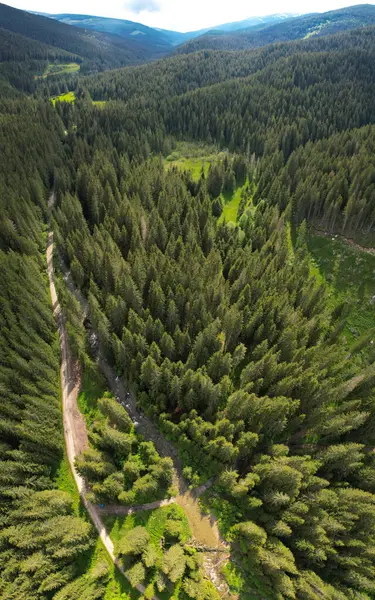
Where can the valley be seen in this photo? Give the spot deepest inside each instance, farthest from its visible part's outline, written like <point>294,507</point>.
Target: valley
<point>187,315</point>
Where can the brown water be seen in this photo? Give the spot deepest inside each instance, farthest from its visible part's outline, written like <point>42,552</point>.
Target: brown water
<point>203,527</point>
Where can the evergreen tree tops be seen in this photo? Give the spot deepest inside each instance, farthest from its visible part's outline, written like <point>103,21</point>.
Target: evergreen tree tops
<point>228,336</point>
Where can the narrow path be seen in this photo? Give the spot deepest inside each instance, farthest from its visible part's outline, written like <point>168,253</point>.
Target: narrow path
<point>348,241</point>
<point>72,418</point>
<point>117,509</point>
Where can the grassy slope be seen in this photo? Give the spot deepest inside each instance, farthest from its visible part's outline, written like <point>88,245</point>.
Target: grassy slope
<point>59,69</point>
<point>92,389</point>
<point>189,164</point>
<point>350,275</point>
<point>69,97</point>
<point>193,156</point>
<point>231,206</point>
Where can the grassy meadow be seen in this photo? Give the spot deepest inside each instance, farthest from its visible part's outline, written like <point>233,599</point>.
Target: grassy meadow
<point>193,156</point>
<point>350,276</point>
<point>68,97</point>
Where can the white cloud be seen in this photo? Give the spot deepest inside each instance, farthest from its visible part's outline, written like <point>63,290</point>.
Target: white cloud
<point>180,15</point>
<point>138,6</point>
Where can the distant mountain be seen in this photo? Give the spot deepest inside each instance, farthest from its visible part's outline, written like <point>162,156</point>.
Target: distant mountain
<point>256,22</point>
<point>97,50</point>
<point>156,40</point>
<point>319,24</point>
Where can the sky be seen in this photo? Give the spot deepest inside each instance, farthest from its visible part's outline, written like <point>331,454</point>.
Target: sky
<point>180,15</point>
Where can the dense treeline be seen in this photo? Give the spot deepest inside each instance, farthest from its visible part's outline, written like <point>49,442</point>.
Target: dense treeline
<point>229,340</point>
<point>30,139</point>
<point>43,543</point>
<point>269,103</point>
<point>180,74</point>
<point>15,47</point>
<point>41,539</point>
<point>22,60</point>
<point>120,467</point>
<point>227,335</point>
<point>98,51</point>
<point>330,182</point>
<point>283,106</point>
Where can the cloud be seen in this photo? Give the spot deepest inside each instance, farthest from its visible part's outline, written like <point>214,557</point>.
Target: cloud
<point>138,6</point>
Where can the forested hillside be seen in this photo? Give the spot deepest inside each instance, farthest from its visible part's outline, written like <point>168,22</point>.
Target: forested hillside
<point>303,27</point>
<point>156,41</point>
<point>162,39</point>
<point>269,103</point>
<point>218,320</point>
<point>97,51</point>
<point>330,182</point>
<point>229,339</point>
<point>42,540</point>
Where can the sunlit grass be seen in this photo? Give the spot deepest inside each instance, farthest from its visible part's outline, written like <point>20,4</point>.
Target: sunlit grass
<point>152,520</point>
<point>193,157</point>
<point>54,69</point>
<point>68,97</point>
<point>231,206</point>
<point>92,389</point>
<point>350,275</point>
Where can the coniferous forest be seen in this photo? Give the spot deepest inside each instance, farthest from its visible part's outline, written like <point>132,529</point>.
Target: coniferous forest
<point>230,339</point>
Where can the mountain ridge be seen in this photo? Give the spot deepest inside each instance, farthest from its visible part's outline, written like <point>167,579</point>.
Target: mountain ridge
<point>314,24</point>
<point>98,50</point>
<point>125,27</point>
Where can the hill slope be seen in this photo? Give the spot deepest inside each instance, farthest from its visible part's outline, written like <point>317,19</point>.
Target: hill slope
<point>156,41</point>
<point>99,51</point>
<point>320,24</point>
<point>228,335</point>
<point>234,343</point>
<point>268,101</point>
<point>254,22</point>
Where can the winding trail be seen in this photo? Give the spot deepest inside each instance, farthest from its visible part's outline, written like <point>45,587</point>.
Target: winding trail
<point>204,527</point>
<point>74,426</point>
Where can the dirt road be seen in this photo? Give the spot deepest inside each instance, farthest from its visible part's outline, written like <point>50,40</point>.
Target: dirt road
<point>74,426</point>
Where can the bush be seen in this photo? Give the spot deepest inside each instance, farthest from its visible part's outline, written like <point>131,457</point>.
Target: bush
<point>116,414</point>
<point>174,563</point>
<point>136,574</point>
<point>134,542</point>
